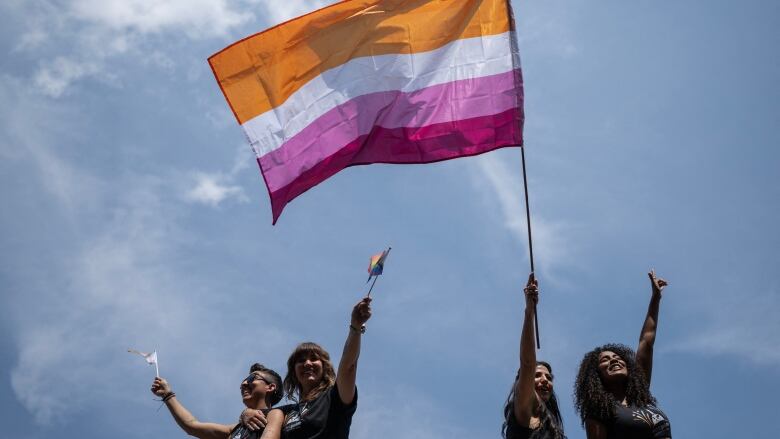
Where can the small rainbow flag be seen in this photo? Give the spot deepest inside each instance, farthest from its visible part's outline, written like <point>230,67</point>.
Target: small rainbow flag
<point>374,81</point>
<point>376,264</point>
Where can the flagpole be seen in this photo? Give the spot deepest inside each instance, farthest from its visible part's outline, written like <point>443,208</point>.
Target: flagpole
<point>156,363</point>
<point>372,286</point>
<point>530,243</point>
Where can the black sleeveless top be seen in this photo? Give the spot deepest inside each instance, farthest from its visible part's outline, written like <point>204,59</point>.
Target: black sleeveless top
<point>639,423</point>
<point>515,430</point>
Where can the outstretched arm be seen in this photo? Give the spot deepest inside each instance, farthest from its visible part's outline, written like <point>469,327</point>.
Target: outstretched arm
<point>182,416</point>
<point>525,398</point>
<point>347,373</point>
<point>644,353</point>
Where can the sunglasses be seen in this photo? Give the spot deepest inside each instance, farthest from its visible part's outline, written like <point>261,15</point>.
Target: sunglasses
<point>252,377</point>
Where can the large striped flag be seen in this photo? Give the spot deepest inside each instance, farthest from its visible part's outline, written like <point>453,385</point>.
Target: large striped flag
<point>374,81</point>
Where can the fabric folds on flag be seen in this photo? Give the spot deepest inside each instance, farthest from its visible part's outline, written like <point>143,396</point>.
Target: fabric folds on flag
<point>374,81</point>
<point>376,264</point>
<point>150,357</point>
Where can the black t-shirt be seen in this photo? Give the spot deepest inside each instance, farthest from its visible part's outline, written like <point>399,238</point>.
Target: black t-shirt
<point>241,432</point>
<point>325,417</point>
<point>515,430</point>
<point>639,423</point>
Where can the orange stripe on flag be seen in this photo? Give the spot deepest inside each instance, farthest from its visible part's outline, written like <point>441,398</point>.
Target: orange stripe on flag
<point>260,72</point>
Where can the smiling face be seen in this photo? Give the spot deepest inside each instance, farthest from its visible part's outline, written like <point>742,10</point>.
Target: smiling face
<point>612,368</point>
<point>254,389</point>
<point>543,382</point>
<point>309,372</point>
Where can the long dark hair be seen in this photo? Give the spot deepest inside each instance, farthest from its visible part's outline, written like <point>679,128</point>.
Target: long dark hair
<point>302,351</point>
<point>592,400</point>
<point>550,419</point>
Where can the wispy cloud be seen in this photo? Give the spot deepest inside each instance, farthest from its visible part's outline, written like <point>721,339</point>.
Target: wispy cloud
<point>552,247</point>
<point>212,189</point>
<point>81,39</point>
<point>749,330</point>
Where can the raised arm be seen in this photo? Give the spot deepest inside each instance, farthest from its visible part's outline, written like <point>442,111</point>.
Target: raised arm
<point>644,353</point>
<point>182,416</point>
<point>347,373</point>
<point>524,397</point>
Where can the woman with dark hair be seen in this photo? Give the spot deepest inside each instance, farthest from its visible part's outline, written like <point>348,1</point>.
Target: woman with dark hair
<point>612,391</point>
<point>324,398</point>
<point>531,410</point>
<point>259,391</point>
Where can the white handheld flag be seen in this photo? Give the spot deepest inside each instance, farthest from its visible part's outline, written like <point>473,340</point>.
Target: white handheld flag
<point>151,358</point>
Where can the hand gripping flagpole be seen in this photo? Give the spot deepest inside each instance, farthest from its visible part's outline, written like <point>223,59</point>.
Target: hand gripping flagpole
<point>530,243</point>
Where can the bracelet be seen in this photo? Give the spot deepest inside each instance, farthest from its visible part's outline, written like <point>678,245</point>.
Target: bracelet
<point>362,329</point>
<point>168,396</point>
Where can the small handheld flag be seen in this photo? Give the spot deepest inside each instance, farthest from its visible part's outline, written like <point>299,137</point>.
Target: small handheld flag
<point>376,264</point>
<point>151,358</point>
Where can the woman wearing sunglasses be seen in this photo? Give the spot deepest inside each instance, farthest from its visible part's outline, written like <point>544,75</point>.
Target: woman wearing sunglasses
<point>259,391</point>
<point>324,399</point>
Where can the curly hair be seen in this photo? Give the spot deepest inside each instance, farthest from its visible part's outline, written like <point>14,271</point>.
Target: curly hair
<point>292,388</point>
<point>550,420</point>
<point>593,401</point>
<point>275,396</point>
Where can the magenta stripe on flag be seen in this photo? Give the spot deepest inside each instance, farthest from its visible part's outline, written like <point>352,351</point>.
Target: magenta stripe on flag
<point>326,136</point>
<point>431,143</point>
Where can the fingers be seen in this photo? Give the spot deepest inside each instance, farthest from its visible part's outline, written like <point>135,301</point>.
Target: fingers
<point>254,419</point>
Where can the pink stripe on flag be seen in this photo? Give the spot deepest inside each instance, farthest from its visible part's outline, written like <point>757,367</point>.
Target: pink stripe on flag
<point>328,135</point>
<point>426,144</point>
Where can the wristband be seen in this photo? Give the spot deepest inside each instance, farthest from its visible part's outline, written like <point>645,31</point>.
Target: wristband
<point>168,396</point>
<point>362,329</point>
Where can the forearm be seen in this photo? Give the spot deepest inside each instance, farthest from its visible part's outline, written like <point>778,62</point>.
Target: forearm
<point>347,372</point>
<point>527,346</point>
<point>644,353</point>
<point>180,414</point>
<point>349,357</point>
<point>191,425</point>
<point>524,386</point>
<point>651,321</point>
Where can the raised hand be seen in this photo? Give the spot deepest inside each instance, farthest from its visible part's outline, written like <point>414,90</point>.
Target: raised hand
<point>361,312</point>
<point>531,291</point>
<point>657,283</point>
<point>160,387</point>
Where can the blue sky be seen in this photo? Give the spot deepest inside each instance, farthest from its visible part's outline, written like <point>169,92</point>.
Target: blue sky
<point>134,216</point>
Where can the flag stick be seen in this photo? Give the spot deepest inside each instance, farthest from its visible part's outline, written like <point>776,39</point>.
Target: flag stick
<point>372,286</point>
<point>530,243</point>
<point>156,365</point>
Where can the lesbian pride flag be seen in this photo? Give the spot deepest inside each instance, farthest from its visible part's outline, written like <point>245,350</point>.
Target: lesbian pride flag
<point>374,81</point>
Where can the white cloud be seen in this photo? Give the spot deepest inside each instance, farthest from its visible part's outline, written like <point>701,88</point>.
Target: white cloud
<point>92,34</point>
<point>213,189</point>
<point>196,18</point>
<point>744,327</point>
<point>55,77</point>
<point>279,12</point>
<point>552,248</point>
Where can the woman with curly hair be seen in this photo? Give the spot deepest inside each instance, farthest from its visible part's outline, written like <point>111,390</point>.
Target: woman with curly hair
<point>531,410</point>
<point>324,398</point>
<point>612,391</point>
